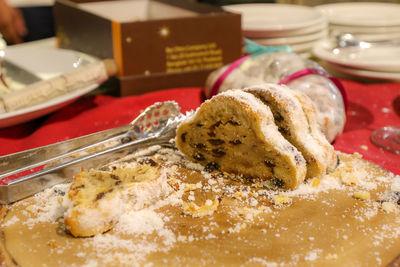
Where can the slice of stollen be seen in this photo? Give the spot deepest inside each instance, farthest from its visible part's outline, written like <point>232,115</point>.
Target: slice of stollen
<point>235,132</point>
<point>97,198</point>
<point>293,124</point>
<point>310,110</point>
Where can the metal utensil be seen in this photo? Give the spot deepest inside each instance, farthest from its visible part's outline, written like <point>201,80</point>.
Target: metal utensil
<point>155,125</point>
<point>15,72</point>
<point>349,40</point>
<point>19,74</point>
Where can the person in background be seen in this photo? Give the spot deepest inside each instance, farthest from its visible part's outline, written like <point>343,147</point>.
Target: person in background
<point>12,23</point>
<point>31,20</point>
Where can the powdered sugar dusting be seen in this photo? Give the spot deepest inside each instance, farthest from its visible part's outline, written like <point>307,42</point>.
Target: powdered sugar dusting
<point>157,226</point>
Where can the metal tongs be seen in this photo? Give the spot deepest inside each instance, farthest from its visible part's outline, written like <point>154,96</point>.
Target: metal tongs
<point>28,172</point>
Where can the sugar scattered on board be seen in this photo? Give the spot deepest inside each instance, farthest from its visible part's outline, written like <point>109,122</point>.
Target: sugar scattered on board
<point>154,233</point>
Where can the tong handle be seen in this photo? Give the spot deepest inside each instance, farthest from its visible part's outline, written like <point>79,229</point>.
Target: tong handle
<point>28,159</point>
<point>30,184</point>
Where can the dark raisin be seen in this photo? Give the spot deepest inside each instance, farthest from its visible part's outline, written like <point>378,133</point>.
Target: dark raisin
<point>235,142</point>
<point>115,177</point>
<point>298,159</point>
<point>211,166</point>
<point>216,142</point>
<point>198,124</point>
<point>218,153</point>
<point>269,164</point>
<point>148,161</point>
<point>283,130</point>
<point>278,182</point>
<point>80,186</point>
<point>235,123</point>
<point>126,139</point>
<point>337,161</point>
<point>59,192</point>
<point>183,137</point>
<point>200,146</point>
<point>278,117</point>
<point>102,194</point>
<point>118,182</point>
<point>211,134</point>
<point>199,157</point>
<point>215,125</point>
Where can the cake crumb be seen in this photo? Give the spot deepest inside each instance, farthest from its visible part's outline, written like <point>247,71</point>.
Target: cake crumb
<point>388,207</point>
<point>238,195</point>
<point>52,244</point>
<point>364,147</point>
<point>281,200</point>
<point>364,195</point>
<point>190,187</point>
<point>200,211</point>
<point>349,180</point>
<point>315,182</point>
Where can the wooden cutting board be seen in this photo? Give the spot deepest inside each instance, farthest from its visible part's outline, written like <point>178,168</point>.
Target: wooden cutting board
<point>228,223</point>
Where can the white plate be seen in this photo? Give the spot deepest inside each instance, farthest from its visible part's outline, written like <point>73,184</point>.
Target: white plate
<point>365,30</point>
<point>293,39</point>
<point>267,34</point>
<point>376,75</point>
<point>303,47</point>
<point>26,114</point>
<point>297,48</point>
<point>46,62</point>
<point>382,58</point>
<point>275,17</point>
<point>362,14</point>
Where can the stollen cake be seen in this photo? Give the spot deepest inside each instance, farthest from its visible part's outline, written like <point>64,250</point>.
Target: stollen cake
<point>349,217</point>
<point>235,132</point>
<point>294,125</point>
<point>311,113</point>
<point>276,67</point>
<point>98,198</point>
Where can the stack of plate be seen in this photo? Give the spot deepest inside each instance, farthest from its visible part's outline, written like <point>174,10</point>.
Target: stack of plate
<point>370,23</point>
<point>279,24</point>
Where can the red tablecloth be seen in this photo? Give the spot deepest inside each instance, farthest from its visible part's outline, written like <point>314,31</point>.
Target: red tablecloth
<point>370,107</point>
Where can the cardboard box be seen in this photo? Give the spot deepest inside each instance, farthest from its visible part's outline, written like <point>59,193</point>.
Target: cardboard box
<point>157,44</point>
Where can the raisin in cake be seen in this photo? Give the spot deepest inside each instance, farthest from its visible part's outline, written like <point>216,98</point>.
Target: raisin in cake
<point>235,132</point>
<point>293,124</point>
<point>97,198</point>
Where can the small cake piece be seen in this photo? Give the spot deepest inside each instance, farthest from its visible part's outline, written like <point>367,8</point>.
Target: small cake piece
<point>97,198</point>
<point>235,132</point>
<point>280,200</point>
<point>363,195</point>
<point>293,124</point>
